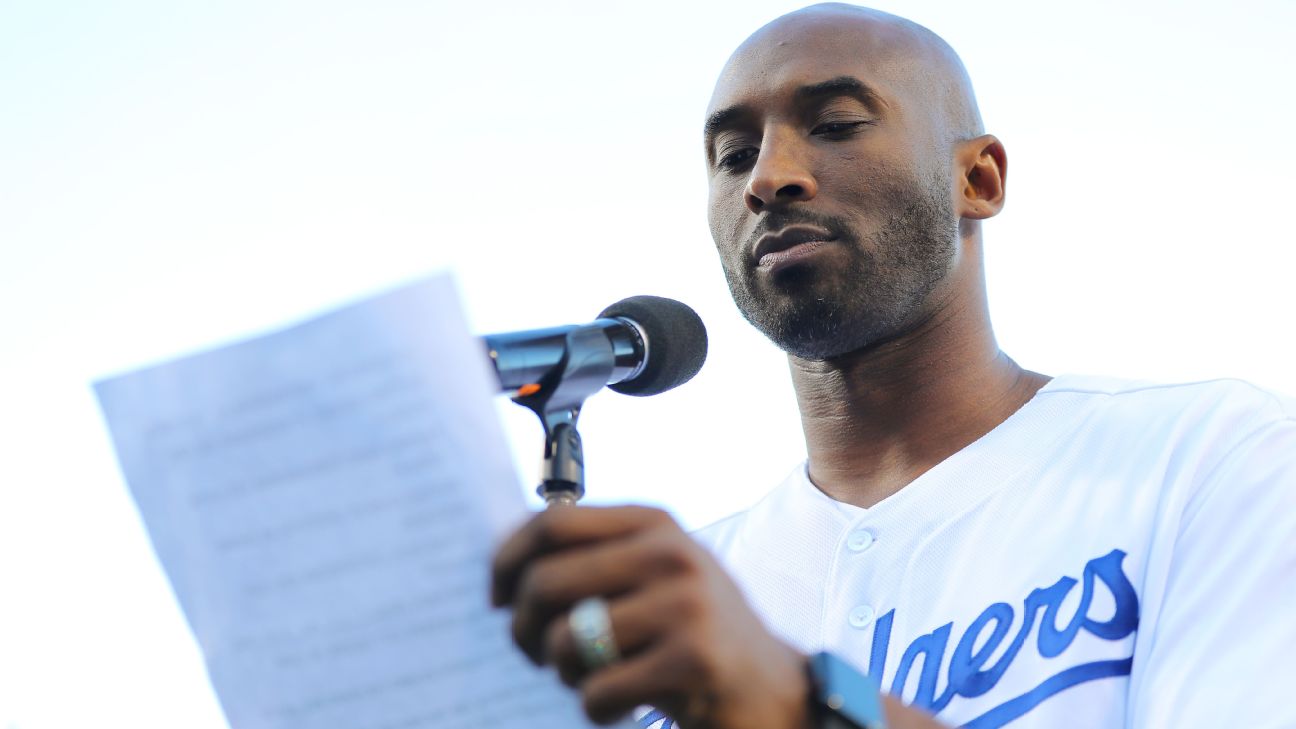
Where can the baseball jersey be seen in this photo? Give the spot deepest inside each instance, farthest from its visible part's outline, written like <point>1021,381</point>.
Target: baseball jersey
<point>1114,554</point>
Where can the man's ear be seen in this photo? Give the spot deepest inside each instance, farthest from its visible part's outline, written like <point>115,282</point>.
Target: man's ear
<point>981,173</point>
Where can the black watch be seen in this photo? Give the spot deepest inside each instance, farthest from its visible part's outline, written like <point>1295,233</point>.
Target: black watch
<point>841,697</point>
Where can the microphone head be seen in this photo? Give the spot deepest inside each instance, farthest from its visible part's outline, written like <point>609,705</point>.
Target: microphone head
<point>676,343</point>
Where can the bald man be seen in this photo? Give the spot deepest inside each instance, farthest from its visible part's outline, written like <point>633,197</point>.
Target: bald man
<point>989,545</point>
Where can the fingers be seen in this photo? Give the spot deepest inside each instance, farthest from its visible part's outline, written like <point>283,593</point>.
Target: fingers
<point>551,585</point>
<point>556,529</point>
<point>665,597</point>
<point>663,676</point>
<point>695,654</point>
<point>639,620</point>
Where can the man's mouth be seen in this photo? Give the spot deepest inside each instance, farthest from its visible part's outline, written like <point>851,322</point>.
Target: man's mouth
<point>790,245</point>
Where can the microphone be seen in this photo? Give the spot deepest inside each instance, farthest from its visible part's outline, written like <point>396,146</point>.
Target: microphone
<point>642,345</point>
<point>656,344</point>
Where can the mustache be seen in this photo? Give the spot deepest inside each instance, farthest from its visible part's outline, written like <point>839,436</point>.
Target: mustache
<point>776,221</point>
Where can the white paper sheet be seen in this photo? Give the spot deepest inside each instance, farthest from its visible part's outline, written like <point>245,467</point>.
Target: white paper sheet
<point>325,501</point>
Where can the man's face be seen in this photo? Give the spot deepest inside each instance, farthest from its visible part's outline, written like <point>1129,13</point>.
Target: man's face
<point>831,202</point>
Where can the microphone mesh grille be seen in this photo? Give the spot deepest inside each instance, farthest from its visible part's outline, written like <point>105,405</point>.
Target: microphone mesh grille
<point>677,343</point>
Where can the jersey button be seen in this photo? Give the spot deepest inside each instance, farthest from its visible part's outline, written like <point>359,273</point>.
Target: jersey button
<point>859,540</point>
<point>861,617</point>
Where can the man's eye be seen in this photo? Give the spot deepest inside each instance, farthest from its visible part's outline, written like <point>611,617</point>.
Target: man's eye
<point>735,159</point>
<point>840,128</point>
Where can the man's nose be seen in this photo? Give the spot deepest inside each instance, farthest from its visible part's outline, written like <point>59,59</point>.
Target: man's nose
<point>779,177</point>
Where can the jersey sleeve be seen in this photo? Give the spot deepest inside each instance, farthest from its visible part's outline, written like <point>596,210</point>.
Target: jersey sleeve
<point>1223,651</point>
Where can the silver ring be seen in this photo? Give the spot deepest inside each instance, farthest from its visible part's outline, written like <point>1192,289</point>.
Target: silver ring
<point>591,626</point>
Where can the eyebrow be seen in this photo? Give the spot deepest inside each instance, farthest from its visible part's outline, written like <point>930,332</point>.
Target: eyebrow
<point>722,119</point>
<point>839,86</point>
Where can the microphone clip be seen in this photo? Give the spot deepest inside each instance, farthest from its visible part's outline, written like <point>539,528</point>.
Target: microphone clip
<point>586,365</point>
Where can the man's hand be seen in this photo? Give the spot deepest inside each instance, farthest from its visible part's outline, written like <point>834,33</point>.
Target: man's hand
<point>690,646</point>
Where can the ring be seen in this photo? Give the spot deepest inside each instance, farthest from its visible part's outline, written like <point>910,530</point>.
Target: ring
<point>591,626</point>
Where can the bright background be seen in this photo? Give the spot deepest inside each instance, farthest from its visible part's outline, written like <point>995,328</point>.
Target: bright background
<point>175,175</point>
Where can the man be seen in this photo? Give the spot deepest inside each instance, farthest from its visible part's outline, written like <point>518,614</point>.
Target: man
<point>989,544</point>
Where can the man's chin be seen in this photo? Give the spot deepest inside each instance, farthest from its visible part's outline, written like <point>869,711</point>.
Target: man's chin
<point>818,348</point>
<point>808,327</point>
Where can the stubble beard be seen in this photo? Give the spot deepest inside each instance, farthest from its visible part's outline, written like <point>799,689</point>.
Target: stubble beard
<point>883,290</point>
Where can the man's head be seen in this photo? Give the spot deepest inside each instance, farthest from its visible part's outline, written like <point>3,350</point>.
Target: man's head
<point>847,167</point>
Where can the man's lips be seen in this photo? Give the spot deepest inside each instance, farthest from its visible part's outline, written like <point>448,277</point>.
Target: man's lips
<point>790,244</point>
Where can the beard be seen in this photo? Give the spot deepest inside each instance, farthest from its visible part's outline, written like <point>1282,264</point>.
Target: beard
<point>815,313</point>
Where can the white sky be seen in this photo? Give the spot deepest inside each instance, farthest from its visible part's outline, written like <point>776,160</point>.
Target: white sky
<point>175,175</point>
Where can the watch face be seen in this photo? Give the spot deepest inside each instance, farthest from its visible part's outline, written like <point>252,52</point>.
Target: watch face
<point>846,698</point>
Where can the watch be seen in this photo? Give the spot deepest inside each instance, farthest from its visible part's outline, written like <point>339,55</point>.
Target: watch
<point>841,697</point>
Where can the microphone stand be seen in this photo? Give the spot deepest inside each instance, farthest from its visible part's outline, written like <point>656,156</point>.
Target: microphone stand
<point>557,399</point>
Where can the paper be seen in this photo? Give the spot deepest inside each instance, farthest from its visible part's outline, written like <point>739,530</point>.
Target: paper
<point>325,501</point>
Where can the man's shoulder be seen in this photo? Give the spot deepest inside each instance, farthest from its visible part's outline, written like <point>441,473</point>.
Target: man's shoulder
<point>1176,443</point>
<point>1231,404</point>
<point>1231,387</point>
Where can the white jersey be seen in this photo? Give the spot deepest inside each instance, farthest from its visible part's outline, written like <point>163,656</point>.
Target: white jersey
<point>1114,554</point>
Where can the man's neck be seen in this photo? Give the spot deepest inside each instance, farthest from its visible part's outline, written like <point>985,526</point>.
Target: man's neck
<point>876,420</point>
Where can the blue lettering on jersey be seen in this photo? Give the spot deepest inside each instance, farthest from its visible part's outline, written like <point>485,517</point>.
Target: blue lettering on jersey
<point>969,676</point>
